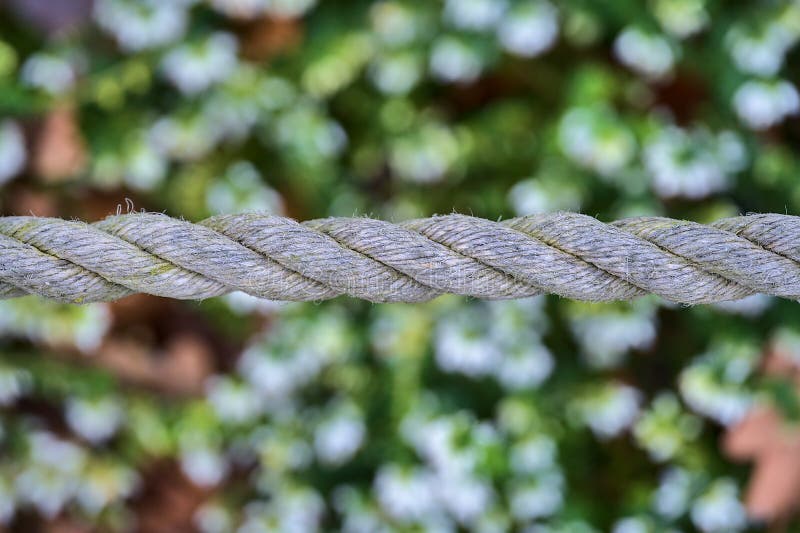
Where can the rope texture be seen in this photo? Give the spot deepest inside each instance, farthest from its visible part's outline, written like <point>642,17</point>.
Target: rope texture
<point>569,254</point>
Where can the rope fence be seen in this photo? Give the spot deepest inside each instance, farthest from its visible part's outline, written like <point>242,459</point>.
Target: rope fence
<point>568,254</point>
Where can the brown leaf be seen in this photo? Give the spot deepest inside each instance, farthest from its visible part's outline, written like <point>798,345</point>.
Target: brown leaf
<point>265,38</point>
<point>60,152</point>
<point>754,435</point>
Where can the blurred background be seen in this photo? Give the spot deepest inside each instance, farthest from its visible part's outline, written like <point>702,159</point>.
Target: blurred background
<point>542,415</point>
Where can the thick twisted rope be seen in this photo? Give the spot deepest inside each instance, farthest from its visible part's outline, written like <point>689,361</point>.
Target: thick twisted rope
<point>572,255</point>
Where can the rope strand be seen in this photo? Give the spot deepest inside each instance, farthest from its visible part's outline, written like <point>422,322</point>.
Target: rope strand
<point>568,254</point>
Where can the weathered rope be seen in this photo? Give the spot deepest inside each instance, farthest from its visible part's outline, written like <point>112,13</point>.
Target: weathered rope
<point>572,255</point>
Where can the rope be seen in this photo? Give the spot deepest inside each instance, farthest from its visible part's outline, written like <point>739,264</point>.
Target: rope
<point>572,255</point>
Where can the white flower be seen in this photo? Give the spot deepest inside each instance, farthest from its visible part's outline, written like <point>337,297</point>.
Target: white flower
<point>452,60</point>
<point>529,28</point>
<point>525,366</point>
<point>533,455</point>
<point>103,484</point>
<point>299,510</point>
<point>213,518</point>
<point>141,24</point>
<point>289,8</point>
<point>649,55</point>
<point>464,496</point>
<point>425,155</point>
<point>761,104</point>
<point>631,525</point>
<point>310,133</point>
<point>611,410</point>
<point>692,163</point>
<point>233,402</point>
<point>12,150</point>
<point>54,323</point>
<point>607,336</point>
<point>338,438</point>
<point>664,428</point>
<point>533,196</point>
<point>50,73</point>
<point>719,509</point>
<point>94,420</point>
<point>241,9</point>
<point>749,306</point>
<point>195,67</point>
<point>185,138</point>
<point>13,384</point>
<point>204,466</point>
<point>8,505</point>
<point>761,54</point>
<point>242,303</point>
<point>242,189</point>
<point>595,139</point>
<point>537,499</point>
<point>396,73</point>
<point>406,496</point>
<point>463,345</point>
<point>394,23</point>
<point>144,166</point>
<point>681,18</point>
<point>52,473</point>
<point>725,403</point>
<point>673,496</point>
<point>474,14</point>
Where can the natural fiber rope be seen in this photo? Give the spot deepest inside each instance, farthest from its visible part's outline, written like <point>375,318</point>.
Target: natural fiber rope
<point>572,255</point>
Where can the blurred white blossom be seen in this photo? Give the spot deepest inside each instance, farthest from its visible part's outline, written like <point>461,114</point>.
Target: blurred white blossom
<point>52,475</point>
<point>242,189</point>
<point>13,384</point>
<point>610,409</point>
<point>719,510</point>
<point>141,24</point>
<point>605,335</point>
<point>53,74</point>
<point>681,18</point>
<point>692,163</point>
<point>529,28</point>
<point>12,150</point>
<point>187,137</point>
<point>749,306</point>
<point>533,455</point>
<point>664,429</point>
<point>203,465</point>
<point>233,401</point>
<point>760,53</point>
<point>95,420</point>
<point>673,495</point>
<point>338,437</point>
<point>425,155</point>
<point>539,498</point>
<point>533,196</point>
<point>394,23</point>
<point>454,60</point>
<point>105,483</point>
<point>474,14</point>
<point>462,344</point>
<point>396,73</point>
<point>596,139</point>
<point>194,67</point>
<point>762,104</point>
<point>648,54</point>
<point>241,9</point>
<point>525,365</point>
<point>407,495</point>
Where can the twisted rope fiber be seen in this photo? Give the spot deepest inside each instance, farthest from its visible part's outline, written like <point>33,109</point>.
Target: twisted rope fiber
<point>569,254</point>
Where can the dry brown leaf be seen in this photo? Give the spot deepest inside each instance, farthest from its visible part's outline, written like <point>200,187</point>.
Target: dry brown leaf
<point>60,151</point>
